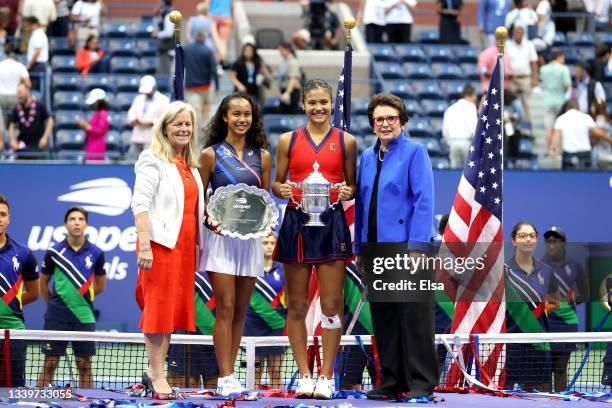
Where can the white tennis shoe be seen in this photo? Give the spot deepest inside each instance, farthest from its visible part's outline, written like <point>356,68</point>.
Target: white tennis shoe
<point>306,386</point>
<point>324,388</point>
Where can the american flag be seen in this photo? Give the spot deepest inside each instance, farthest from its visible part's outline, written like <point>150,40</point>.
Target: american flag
<point>474,229</point>
<point>178,84</point>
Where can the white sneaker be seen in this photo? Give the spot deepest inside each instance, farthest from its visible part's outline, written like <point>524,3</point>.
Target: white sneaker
<point>324,388</point>
<point>306,386</point>
<point>229,385</point>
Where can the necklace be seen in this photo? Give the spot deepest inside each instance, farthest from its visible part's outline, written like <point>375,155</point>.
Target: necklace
<point>383,150</point>
<point>31,113</point>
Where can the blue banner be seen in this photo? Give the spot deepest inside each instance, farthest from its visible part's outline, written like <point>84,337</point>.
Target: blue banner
<point>40,194</point>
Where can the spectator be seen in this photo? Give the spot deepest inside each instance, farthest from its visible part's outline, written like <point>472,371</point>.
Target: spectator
<point>143,113</point>
<point>323,26</point>
<point>524,61</point>
<point>3,33</point>
<point>19,270</point>
<point>575,129</point>
<point>601,64</point>
<point>513,117</point>
<point>289,78</point>
<point>43,10</point>
<point>249,73</point>
<point>398,20</point>
<point>522,15</point>
<point>545,35</point>
<point>221,13</point>
<point>602,148</point>
<point>91,58</point>
<point>85,15</point>
<point>487,60</point>
<point>458,126</point>
<point>301,39</point>
<point>555,81</point>
<point>563,24</point>
<point>165,38</point>
<point>588,90</point>
<point>600,10</point>
<point>372,15</point>
<point>96,129</point>
<point>11,8</point>
<point>61,26</point>
<point>200,73</point>
<point>70,308</point>
<point>450,27</point>
<point>12,73</point>
<point>492,14</point>
<point>34,123</point>
<point>38,51</point>
<point>203,21</point>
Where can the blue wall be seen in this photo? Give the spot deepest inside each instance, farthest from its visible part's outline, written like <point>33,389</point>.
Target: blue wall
<point>40,194</point>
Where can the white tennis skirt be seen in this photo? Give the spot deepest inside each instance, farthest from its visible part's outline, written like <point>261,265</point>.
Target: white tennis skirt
<point>232,256</point>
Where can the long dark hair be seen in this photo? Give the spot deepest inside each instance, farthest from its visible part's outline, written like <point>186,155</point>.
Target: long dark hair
<point>216,131</point>
<point>256,58</point>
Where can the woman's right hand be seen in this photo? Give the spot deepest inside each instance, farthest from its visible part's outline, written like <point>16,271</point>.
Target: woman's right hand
<point>145,258</point>
<point>214,227</point>
<point>286,191</point>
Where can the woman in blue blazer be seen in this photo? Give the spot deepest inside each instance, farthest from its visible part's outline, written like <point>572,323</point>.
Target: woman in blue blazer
<point>395,204</point>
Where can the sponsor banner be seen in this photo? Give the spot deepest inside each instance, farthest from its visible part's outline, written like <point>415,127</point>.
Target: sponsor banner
<point>40,194</point>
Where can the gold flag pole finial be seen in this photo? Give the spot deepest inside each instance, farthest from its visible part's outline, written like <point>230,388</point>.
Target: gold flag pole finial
<point>349,24</point>
<point>176,17</point>
<point>501,35</point>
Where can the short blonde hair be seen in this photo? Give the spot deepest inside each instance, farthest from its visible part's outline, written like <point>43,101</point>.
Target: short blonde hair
<point>160,143</point>
<point>202,8</point>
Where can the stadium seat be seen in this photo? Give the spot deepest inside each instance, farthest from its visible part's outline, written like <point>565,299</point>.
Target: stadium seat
<point>118,120</point>
<point>418,71</point>
<point>66,119</point>
<point>360,126</point>
<point>603,38</point>
<point>122,47</point>
<point>63,63</point>
<point>163,83</point>
<point>400,88</point>
<point>582,39</point>
<point>428,90</point>
<point>439,53</point>
<point>123,100</point>
<point>465,54</point>
<point>428,37</point>
<point>66,82</point>
<point>391,70</point>
<point>103,81</point>
<point>440,162</point>
<point>586,53</point>
<point>433,145</point>
<point>66,100</point>
<point>148,65</point>
<point>144,29</point>
<point>126,139</point>
<point>283,123</point>
<point>359,107</point>
<point>382,53</point>
<point>125,65</point>
<point>127,83</point>
<point>434,108</point>
<point>271,106</point>
<point>436,127</point>
<point>444,71</point>
<point>525,149</point>
<point>413,107</point>
<point>470,71</point>
<point>571,55</point>
<point>560,39</point>
<point>411,53</point>
<point>419,127</point>
<point>116,30</point>
<point>69,140</point>
<point>453,89</point>
<point>60,46</point>
<point>114,145</point>
<point>269,38</point>
<point>146,47</point>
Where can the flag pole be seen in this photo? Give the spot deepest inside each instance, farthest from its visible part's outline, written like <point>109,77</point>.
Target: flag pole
<point>349,24</point>
<point>501,35</point>
<point>176,17</point>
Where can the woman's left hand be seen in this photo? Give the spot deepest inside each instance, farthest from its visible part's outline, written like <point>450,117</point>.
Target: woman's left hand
<point>344,192</point>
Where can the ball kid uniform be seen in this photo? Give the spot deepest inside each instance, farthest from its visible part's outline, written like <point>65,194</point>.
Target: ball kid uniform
<point>202,360</point>
<point>267,312</point>
<point>17,264</point>
<point>70,306</point>
<point>223,254</point>
<point>298,243</point>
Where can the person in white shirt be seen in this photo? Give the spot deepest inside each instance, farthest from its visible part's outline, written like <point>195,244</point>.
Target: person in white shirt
<point>522,15</point>
<point>588,90</point>
<point>575,130</point>
<point>38,50</point>
<point>143,113</point>
<point>43,10</point>
<point>601,10</point>
<point>458,126</point>
<point>86,17</point>
<point>372,15</point>
<point>398,20</point>
<point>546,26</point>
<point>12,73</point>
<point>523,59</point>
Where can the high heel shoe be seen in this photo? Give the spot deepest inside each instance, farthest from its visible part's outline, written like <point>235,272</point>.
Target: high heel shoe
<point>150,390</point>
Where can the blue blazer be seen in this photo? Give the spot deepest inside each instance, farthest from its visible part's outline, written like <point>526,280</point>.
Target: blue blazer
<point>405,205</point>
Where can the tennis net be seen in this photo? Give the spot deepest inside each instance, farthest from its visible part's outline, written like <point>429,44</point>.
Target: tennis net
<point>578,361</point>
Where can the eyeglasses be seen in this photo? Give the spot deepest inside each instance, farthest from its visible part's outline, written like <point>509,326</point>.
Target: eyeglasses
<point>381,119</point>
<point>523,235</point>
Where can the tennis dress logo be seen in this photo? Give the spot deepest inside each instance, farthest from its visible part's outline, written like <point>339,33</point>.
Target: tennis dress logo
<point>106,196</point>
<point>15,264</point>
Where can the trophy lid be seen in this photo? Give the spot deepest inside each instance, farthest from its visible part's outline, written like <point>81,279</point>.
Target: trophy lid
<point>316,177</point>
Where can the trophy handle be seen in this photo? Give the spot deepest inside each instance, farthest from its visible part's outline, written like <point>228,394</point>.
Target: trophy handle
<point>295,185</point>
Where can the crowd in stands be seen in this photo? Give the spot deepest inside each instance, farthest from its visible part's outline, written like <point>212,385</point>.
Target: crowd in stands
<point>439,82</point>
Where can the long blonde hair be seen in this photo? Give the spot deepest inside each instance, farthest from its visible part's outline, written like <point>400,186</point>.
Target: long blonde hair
<point>160,144</point>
